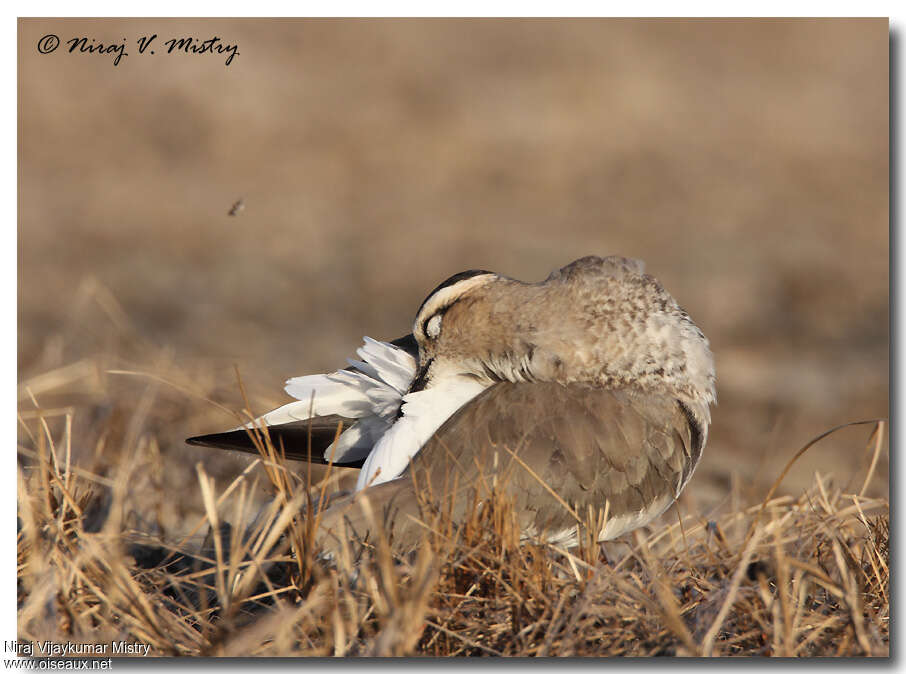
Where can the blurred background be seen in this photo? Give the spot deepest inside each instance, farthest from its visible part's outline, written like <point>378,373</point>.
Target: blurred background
<point>746,161</point>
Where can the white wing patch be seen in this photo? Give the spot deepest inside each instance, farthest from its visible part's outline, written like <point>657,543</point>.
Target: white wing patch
<point>374,393</point>
<point>423,413</point>
<point>390,364</point>
<point>371,393</point>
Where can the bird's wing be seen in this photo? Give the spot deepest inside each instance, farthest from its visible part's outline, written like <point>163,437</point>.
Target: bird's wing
<point>554,450</point>
<point>293,428</point>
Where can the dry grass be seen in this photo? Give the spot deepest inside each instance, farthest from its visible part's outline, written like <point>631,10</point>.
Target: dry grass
<point>791,576</point>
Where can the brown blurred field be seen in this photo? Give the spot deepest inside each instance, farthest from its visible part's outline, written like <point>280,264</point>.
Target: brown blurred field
<point>745,161</point>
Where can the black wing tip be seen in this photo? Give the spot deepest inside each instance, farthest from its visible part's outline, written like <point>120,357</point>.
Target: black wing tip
<point>237,440</point>
<point>296,446</point>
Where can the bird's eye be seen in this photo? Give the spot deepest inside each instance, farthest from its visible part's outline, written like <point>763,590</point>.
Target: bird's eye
<point>432,327</point>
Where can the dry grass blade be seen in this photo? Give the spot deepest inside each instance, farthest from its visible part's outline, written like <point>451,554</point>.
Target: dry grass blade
<point>879,437</point>
<point>667,601</point>
<point>798,454</point>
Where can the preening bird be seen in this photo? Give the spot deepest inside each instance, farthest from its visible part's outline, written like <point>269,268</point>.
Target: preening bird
<point>590,388</point>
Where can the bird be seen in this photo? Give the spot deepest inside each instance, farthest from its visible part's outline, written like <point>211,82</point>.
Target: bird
<point>588,391</point>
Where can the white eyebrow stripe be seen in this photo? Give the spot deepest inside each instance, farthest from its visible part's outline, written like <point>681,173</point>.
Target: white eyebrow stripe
<point>446,296</point>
